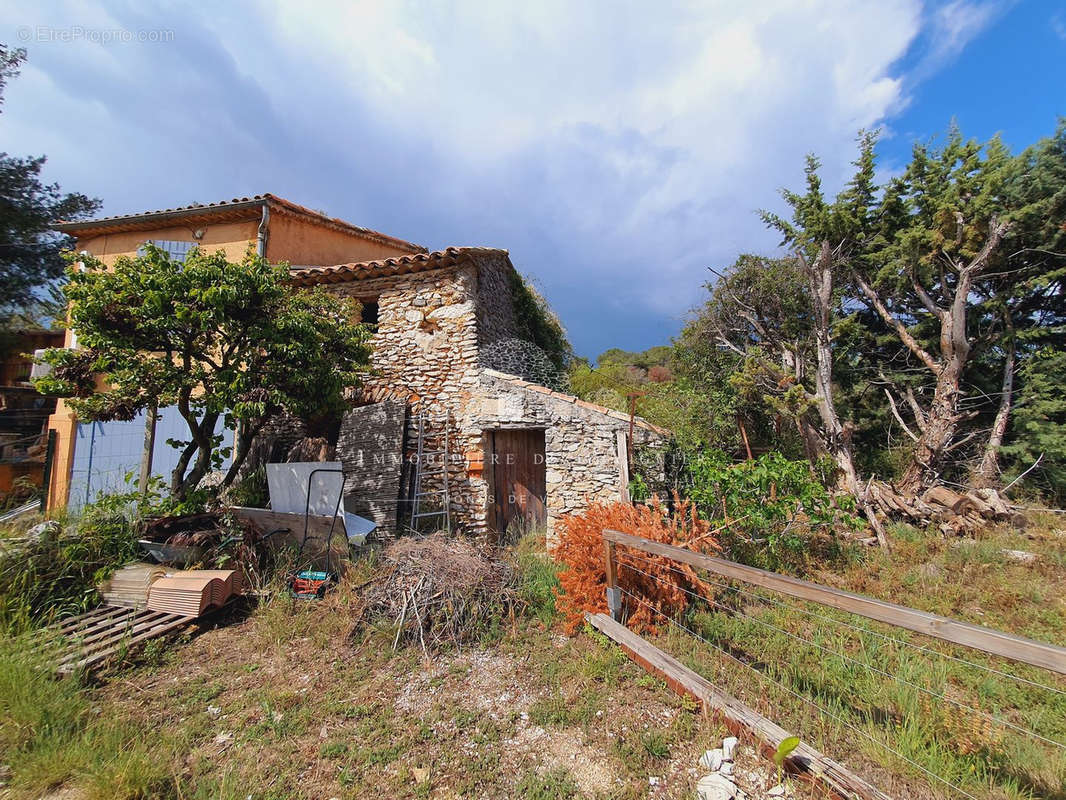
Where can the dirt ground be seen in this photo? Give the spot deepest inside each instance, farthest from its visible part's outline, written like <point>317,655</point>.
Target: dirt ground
<point>289,702</point>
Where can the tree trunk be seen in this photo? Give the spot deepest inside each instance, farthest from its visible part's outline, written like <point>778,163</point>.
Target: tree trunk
<point>942,418</point>
<point>837,441</point>
<point>246,435</point>
<point>202,431</point>
<point>837,435</point>
<point>987,473</point>
<point>205,434</point>
<point>177,475</point>
<point>941,422</point>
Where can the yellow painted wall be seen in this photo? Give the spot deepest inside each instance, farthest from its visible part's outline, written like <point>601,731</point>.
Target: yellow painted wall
<point>301,243</point>
<point>232,237</point>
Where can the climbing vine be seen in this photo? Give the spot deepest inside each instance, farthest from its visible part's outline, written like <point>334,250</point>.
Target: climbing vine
<point>538,324</point>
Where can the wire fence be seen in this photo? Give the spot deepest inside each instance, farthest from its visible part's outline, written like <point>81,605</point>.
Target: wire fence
<point>960,722</point>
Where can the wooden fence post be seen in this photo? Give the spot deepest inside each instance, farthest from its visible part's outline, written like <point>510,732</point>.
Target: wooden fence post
<point>614,594</point>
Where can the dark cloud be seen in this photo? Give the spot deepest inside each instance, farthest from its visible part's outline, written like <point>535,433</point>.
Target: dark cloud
<point>615,157</point>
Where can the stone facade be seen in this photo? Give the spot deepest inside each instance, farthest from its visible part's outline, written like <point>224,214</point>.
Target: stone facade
<point>433,323</point>
<point>585,446</point>
<point>370,448</point>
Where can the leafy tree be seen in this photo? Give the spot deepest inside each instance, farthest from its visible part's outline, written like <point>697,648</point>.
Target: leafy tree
<point>1023,301</point>
<point>1040,421</point>
<point>939,230</point>
<point>30,251</point>
<point>219,340</point>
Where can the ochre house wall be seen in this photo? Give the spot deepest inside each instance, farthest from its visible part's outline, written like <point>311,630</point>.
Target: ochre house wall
<point>301,243</point>
<point>234,238</point>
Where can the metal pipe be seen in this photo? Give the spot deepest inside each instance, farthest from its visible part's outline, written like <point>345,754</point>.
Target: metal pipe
<point>262,233</point>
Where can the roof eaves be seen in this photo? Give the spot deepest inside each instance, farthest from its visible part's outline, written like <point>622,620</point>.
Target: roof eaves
<point>386,267</point>
<point>148,219</point>
<point>237,206</point>
<point>610,412</point>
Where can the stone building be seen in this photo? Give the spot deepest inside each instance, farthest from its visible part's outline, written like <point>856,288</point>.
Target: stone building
<point>448,352</point>
<point>519,451</point>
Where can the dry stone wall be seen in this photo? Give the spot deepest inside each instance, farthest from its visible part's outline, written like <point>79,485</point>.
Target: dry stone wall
<point>433,328</point>
<point>584,448</point>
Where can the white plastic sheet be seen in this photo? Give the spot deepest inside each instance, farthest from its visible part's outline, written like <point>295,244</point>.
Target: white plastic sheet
<point>288,484</point>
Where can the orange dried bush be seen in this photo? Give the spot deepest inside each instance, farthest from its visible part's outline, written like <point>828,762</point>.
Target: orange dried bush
<point>660,584</point>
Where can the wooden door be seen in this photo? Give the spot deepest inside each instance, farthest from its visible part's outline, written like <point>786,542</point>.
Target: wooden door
<point>519,487</point>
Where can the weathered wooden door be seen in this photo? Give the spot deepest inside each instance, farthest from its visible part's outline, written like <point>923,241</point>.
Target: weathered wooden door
<point>519,488</point>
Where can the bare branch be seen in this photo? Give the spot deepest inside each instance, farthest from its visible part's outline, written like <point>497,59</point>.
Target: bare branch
<point>890,319</point>
<point>996,231</point>
<point>961,441</point>
<point>927,301</point>
<point>919,415</point>
<point>899,419</point>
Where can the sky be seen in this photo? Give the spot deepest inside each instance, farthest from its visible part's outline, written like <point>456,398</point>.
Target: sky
<point>616,149</point>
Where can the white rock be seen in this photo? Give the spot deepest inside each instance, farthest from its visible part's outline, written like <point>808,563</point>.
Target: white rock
<point>715,787</point>
<point>777,791</point>
<point>213,711</point>
<point>726,768</point>
<point>712,760</point>
<point>653,780</point>
<point>729,747</point>
<point>453,311</point>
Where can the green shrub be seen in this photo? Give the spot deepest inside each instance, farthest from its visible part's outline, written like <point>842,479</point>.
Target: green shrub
<point>770,509</point>
<point>57,574</point>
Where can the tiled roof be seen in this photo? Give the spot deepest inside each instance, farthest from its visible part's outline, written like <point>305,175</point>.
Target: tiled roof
<point>397,265</point>
<point>239,208</point>
<point>610,412</point>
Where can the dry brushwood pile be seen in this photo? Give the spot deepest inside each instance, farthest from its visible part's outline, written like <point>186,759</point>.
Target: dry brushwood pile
<point>440,590</point>
<point>661,584</point>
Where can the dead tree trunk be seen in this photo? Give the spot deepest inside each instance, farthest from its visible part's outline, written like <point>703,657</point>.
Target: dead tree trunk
<point>987,472</point>
<point>819,275</point>
<point>940,424</point>
<point>837,436</point>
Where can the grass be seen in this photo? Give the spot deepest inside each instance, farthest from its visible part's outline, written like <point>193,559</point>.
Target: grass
<point>299,701</point>
<point>556,784</point>
<point>51,732</point>
<point>900,704</point>
<point>296,701</point>
<point>538,578</point>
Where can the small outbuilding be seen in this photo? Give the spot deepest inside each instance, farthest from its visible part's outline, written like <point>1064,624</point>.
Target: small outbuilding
<point>450,351</point>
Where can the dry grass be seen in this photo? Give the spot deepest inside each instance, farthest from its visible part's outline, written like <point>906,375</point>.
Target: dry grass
<point>308,700</point>
<point>295,701</point>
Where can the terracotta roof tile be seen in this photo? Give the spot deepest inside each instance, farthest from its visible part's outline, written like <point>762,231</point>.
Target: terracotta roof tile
<point>610,412</point>
<point>226,210</point>
<point>397,265</point>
